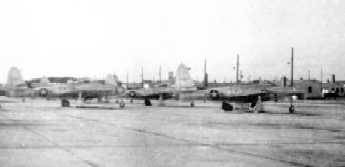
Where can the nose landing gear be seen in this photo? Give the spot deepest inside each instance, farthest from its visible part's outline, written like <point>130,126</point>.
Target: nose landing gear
<point>192,104</point>
<point>122,104</point>
<point>65,103</point>
<point>292,109</point>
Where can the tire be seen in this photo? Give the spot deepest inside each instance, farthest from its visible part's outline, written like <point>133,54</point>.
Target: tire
<point>147,102</point>
<point>192,104</point>
<point>292,109</point>
<point>122,104</point>
<point>65,103</point>
<point>227,106</point>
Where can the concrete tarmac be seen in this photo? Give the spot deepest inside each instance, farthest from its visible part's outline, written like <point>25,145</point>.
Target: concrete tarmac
<point>40,133</point>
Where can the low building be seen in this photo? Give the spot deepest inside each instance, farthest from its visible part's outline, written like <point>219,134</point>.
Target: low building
<point>333,87</point>
<point>309,89</point>
<point>312,88</point>
<point>337,88</point>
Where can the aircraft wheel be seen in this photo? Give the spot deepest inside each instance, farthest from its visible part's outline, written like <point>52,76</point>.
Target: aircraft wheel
<point>148,102</point>
<point>122,104</point>
<point>65,103</point>
<point>291,109</point>
<point>192,104</point>
<point>227,106</point>
<point>131,100</point>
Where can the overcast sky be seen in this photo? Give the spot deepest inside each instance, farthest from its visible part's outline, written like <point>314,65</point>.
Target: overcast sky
<point>96,37</point>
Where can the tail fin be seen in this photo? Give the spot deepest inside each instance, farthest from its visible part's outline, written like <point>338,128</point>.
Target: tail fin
<point>112,80</point>
<point>184,81</point>
<point>14,78</point>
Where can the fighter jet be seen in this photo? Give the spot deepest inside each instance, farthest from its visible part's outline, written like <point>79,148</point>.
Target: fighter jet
<point>238,92</point>
<point>184,89</point>
<point>83,90</point>
<point>238,95</point>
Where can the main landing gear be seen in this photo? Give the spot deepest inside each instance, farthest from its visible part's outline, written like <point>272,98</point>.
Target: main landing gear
<point>227,106</point>
<point>147,102</point>
<point>65,103</point>
<point>122,104</point>
<point>192,104</point>
<point>292,109</point>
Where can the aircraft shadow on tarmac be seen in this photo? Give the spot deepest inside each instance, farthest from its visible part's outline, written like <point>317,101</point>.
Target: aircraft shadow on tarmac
<point>20,124</point>
<point>294,126</point>
<point>3,110</point>
<point>275,126</point>
<point>168,106</point>
<point>271,113</point>
<point>297,113</point>
<point>7,101</point>
<point>98,107</point>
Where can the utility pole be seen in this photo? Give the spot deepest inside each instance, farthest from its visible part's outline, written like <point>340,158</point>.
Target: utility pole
<point>292,68</point>
<point>127,80</point>
<point>160,74</point>
<point>321,75</point>
<point>321,79</point>
<point>142,76</point>
<point>292,107</point>
<point>205,74</point>
<point>237,69</point>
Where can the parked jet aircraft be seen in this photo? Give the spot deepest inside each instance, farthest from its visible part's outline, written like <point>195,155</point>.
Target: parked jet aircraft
<point>251,93</point>
<point>83,90</point>
<point>183,89</point>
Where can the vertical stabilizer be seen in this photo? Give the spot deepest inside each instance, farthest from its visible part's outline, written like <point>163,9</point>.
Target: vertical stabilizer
<point>112,80</point>
<point>184,81</point>
<point>14,78</point>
